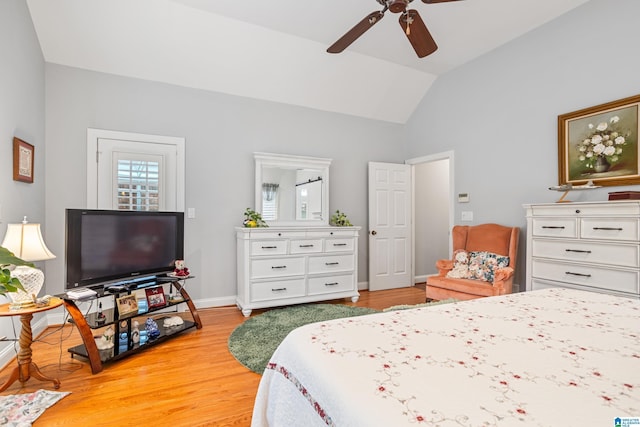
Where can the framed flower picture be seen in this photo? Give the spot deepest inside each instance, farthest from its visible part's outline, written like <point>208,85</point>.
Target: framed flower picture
<point>600,144</point>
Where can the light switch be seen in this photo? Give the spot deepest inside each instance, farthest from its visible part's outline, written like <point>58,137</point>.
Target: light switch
<point>463,197</point>
<point>467,216</point>
<point>191,212</point>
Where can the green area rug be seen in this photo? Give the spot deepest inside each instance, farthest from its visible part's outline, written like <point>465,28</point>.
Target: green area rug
<point>253,342</point>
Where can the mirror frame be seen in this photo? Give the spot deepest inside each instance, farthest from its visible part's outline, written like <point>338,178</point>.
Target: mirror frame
<point>286,161</point>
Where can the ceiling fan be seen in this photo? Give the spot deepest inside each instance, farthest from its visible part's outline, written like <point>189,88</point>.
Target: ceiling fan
<point>410,21</point>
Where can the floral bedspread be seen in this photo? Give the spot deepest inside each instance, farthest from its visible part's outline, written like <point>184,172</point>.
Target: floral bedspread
<point>553,357</point>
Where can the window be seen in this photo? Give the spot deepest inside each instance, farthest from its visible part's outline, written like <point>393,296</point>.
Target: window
<point>138,185</point>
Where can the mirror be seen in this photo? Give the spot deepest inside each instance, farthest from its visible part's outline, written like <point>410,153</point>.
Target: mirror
<point>292,190</point>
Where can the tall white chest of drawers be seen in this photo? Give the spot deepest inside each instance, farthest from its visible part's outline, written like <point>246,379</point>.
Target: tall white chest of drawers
<point>293,265</point>
<point>593,246</point>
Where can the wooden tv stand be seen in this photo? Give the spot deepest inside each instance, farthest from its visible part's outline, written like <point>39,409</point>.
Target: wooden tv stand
<point>87,323</point>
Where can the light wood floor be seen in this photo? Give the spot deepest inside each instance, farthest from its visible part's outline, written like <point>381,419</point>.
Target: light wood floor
<point>191,380</point>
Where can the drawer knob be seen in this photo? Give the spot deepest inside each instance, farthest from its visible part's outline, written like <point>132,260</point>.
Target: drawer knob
<point>278,289</point>
<point>608,228</point>
<point>306,246</point>
<point>577,250</point>
<point>339,244</point>
<point>278,266</point>
<point>331,263</point>
<point>554,226</point>
<point>577,274</point>
<point>269,247</point>
<point>331,284</point>
<point>577,210</point>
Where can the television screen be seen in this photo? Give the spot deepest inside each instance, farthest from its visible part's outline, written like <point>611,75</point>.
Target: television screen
<point>104,246</point>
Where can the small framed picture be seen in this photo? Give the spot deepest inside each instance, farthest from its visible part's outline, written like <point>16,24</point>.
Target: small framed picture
<point>23,155</point>
<point>127,305</point>
<point>155,297</point>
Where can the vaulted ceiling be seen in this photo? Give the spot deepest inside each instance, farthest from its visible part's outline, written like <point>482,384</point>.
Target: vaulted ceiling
<point>276,49</point>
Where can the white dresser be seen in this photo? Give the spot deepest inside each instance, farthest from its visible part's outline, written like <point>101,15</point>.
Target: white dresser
<point>292,265</point>
<point>592,246</point>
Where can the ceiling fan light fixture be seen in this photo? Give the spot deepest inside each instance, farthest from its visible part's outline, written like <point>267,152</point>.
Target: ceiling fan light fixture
<point>397,6</point>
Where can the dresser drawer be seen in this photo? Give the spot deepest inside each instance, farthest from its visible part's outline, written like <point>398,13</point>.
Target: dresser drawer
<point>555,227</point>
<point>543,284</point>
<point>586,275</point>
<point>277,267</point>
<point>323,285</point>
<point>274,234</point>
<point>587,209</point>
<point>589,252</point>
<point>306,246</point>
<point>332,233</point>
<point>621,229</point>
<point>339,245</point>
<point>281,289</point>
<point>269,247</point>
<point>329,263</point>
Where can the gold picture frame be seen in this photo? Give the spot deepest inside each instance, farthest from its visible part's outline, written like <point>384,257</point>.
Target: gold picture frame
<point>23,157</point>
<point>600,144</point>
<point>127,304</point>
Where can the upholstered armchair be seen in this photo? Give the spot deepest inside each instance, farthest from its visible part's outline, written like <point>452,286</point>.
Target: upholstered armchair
<point>480,266</point>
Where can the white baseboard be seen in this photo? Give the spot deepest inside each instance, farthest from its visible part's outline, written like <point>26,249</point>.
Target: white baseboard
<point>420,279</point>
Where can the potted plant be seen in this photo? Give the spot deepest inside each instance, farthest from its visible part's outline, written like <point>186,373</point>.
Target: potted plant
<point>253,219</point>
<point>8,283</point>
<point>339,219</point>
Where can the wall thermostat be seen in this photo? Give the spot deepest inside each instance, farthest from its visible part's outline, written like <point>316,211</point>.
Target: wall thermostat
<point>463,197</point>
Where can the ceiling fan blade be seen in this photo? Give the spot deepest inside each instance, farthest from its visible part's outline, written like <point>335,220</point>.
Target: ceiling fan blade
<point>437,1</point>
<point>417,33</point>
<point>359,29</point>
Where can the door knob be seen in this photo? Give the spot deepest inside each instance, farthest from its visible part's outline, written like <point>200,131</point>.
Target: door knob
<point>374,232</point>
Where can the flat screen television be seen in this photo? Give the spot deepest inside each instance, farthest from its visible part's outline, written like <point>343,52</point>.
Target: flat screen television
<point>106,246</point>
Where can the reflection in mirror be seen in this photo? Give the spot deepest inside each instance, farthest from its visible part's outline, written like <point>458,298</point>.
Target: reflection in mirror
<point>292,190</point>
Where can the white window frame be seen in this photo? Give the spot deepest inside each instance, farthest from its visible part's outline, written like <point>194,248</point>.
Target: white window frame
<point>93,135</point>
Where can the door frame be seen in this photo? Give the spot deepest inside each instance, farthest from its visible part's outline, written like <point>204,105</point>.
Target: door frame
<point>92,161</point>
<point>445,155</point>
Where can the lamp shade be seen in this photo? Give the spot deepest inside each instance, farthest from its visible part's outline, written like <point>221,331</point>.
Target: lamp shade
<point>26,242</point>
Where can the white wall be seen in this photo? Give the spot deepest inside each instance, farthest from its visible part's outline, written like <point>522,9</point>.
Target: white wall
<point>22,116</point>
<point>499,112</point>
<point>222,132</point>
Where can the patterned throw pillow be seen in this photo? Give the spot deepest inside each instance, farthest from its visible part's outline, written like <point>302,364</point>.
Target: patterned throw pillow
<point>482,265</point>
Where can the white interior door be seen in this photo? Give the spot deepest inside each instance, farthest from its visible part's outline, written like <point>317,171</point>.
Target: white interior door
<point>127,171</point>
<point>390,232</point>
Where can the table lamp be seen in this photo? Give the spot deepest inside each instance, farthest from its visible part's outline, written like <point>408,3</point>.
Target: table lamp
<point>26,242</point>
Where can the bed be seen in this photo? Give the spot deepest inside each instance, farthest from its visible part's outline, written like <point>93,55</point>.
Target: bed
<point>552,357</point>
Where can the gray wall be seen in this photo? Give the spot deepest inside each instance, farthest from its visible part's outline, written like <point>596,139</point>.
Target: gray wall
<point>499,112</point>
<point>431,181</point>
<point>22,116</point>
<point>221,132</point>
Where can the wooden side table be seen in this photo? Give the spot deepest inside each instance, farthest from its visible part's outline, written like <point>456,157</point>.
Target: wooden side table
<point>26,368</point>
